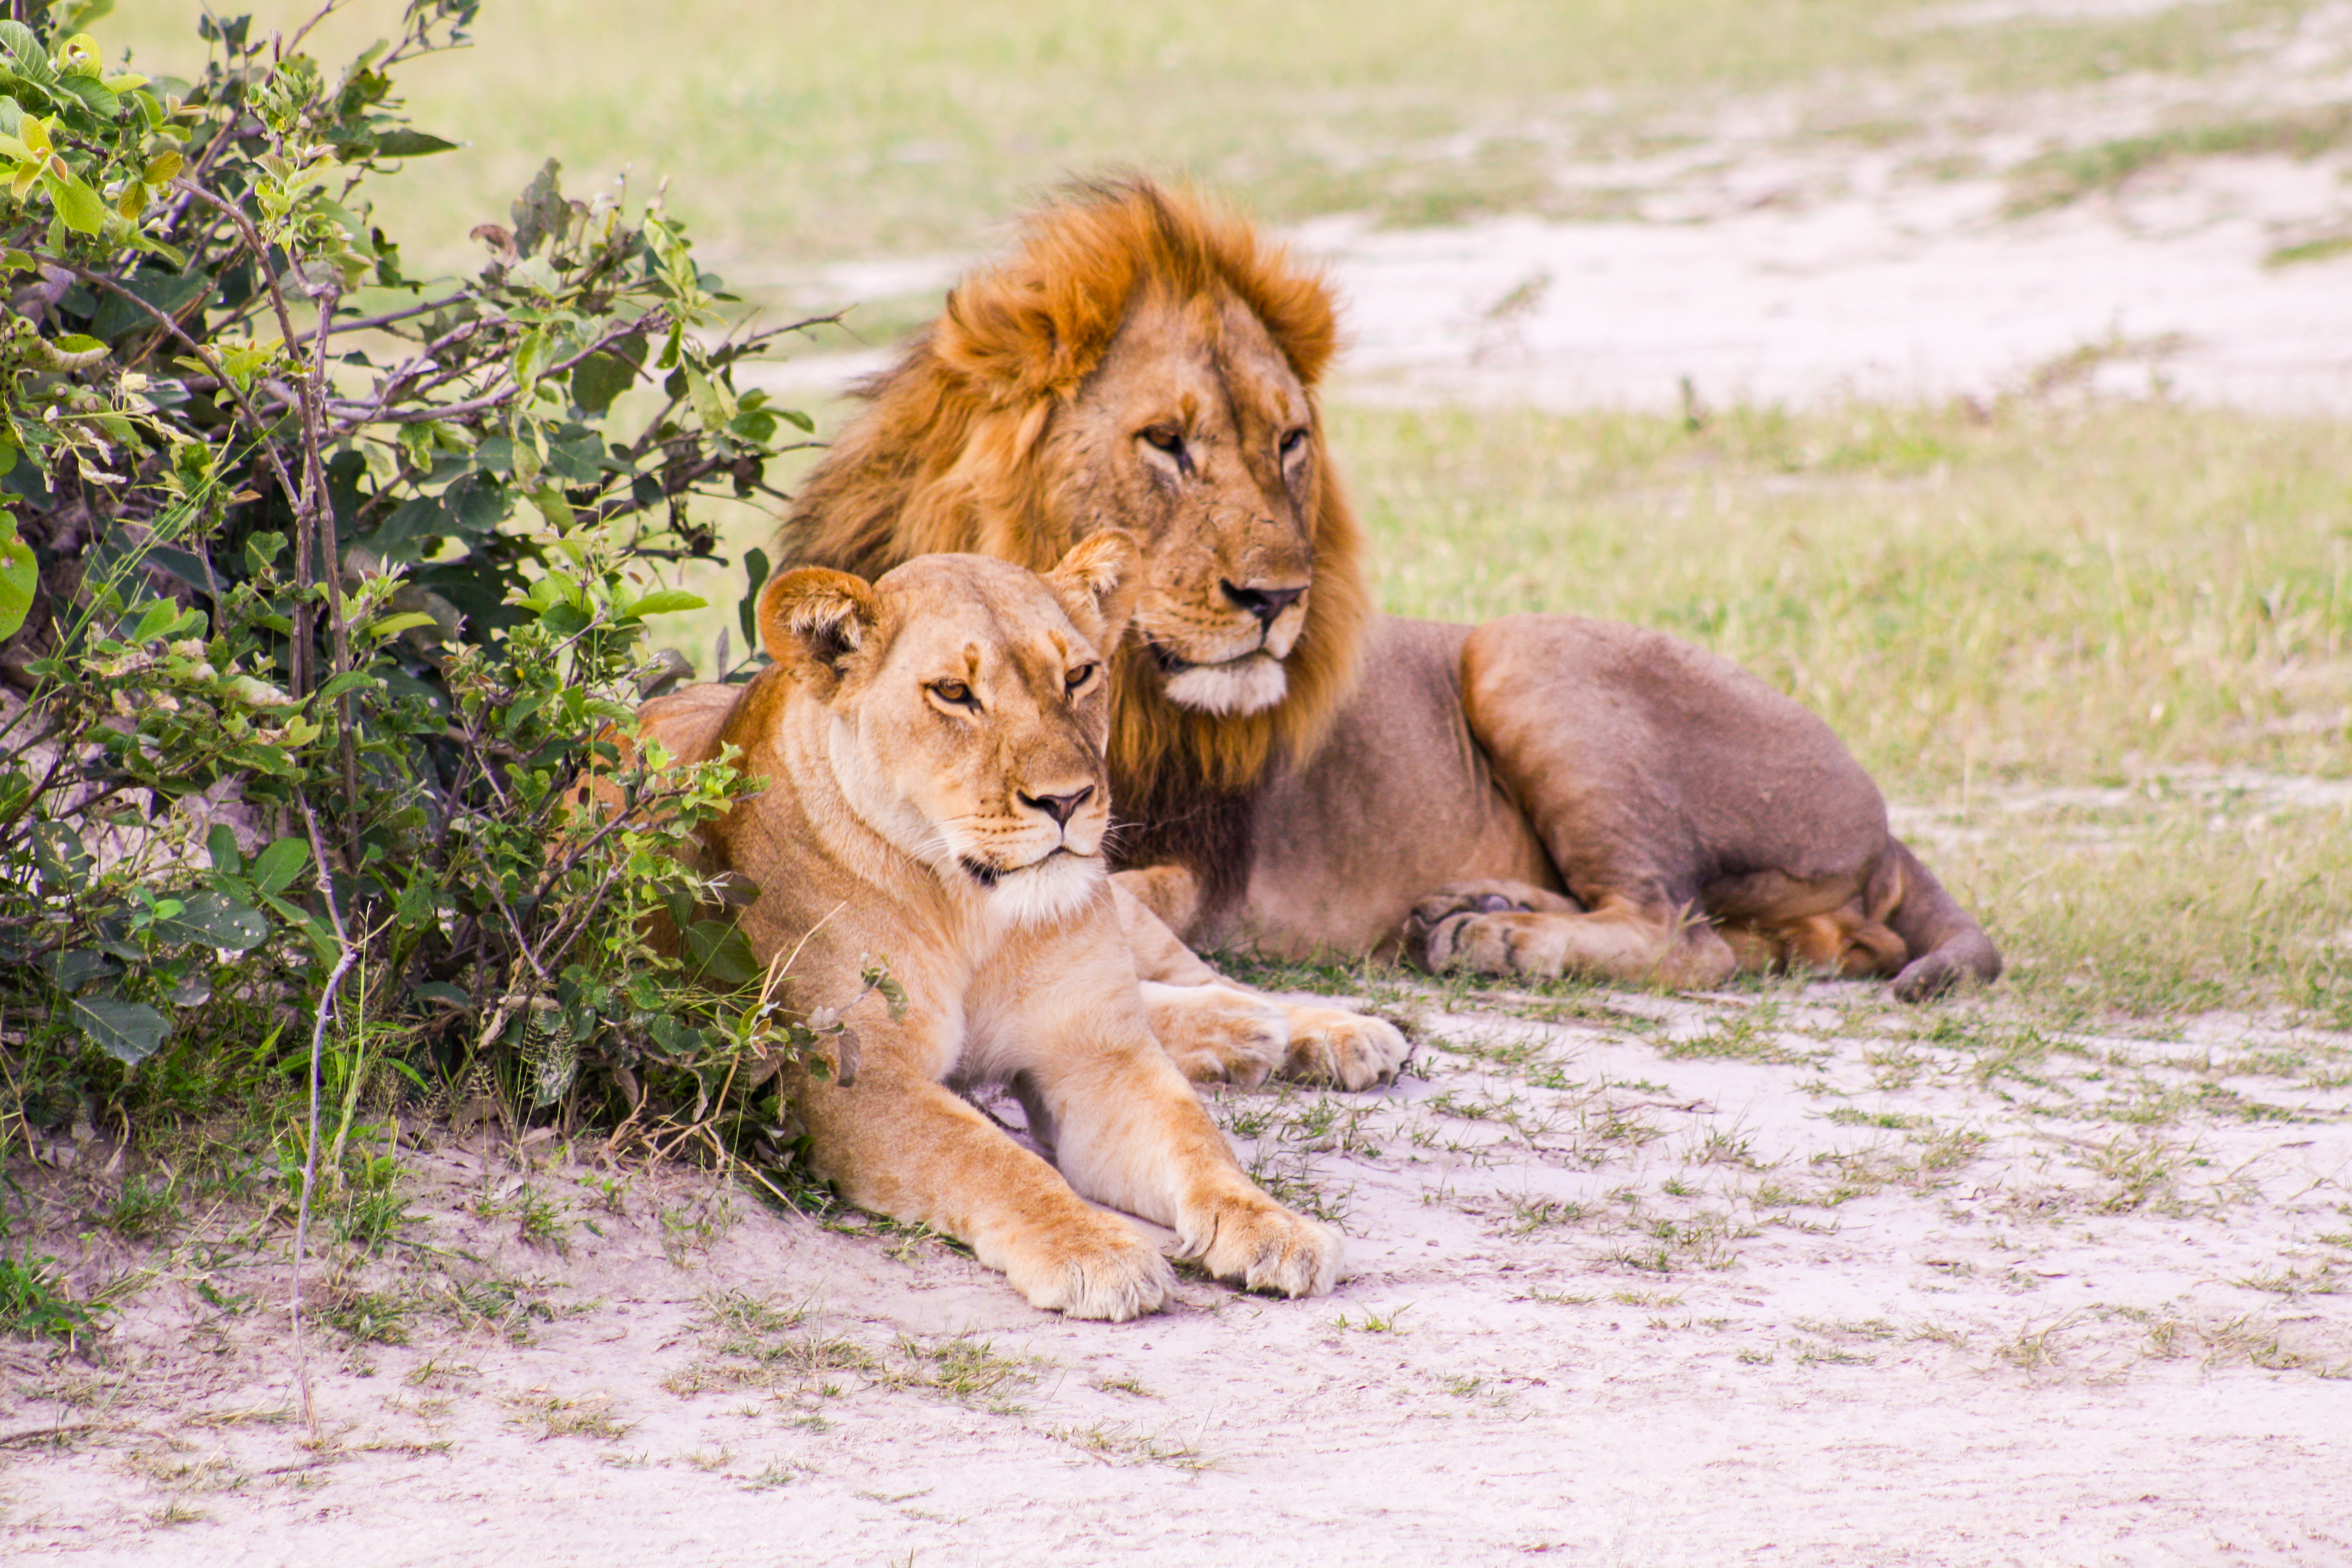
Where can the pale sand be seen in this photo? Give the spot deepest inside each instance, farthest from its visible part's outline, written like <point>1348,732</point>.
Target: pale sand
<point>1997,1355</point>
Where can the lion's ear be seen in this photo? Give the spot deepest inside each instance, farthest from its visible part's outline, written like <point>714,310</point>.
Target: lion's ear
<point>815,617</point>
<point>1097,581</point>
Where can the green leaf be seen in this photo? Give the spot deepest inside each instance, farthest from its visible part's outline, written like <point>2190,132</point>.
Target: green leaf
<point>274,868</point>
<point>349,680</point>
<point>721,953</point>
<point>58,854</point>
<point>83,209</point>
<point>220,844</point>
<point>392,626</point>
<point>755,565</point>
<point>600,378</point>
<point>447,994</point>
<point>403,142</point>
<point>173,296</point>
<point>20,576</point>
<point>129,1032</point>
<point>415,906</point>
<point>157,619</point>
<point>216,920</point>
<point>71,970</point>
<point>667,601</point>
<point>711,404</point>
<point>31,60</point>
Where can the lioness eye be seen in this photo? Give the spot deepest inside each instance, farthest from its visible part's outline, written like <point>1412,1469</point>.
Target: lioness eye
<point>1166,439</point>
<point>1293,441</point>
<point>1079,676</point>
<point>954,691</point>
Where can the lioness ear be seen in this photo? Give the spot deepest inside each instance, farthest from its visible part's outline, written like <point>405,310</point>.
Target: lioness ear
<point>1097,581</point>
<point>812,616</point>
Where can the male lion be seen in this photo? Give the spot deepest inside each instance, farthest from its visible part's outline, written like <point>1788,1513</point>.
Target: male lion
<point>1538,796</point>
<point>936,792</point>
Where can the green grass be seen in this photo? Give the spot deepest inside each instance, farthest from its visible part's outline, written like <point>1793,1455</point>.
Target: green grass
<point>34,1305</point>
<point>827,130</point>
<point>2057,179</point>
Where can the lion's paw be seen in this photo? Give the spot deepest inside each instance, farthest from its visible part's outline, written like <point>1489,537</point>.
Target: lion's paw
<point>1264,1247</point>
<point>1215,1034</point>
<point>1350,1049</point>
<point>1458,928</point>
<point>1113,1278</point>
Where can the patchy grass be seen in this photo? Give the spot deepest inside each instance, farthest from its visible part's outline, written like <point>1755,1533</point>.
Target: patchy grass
<point>2059,178</point>
<point>918,127</point>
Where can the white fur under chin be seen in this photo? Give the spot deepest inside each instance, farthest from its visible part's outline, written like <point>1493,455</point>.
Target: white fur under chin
<point>1046,893</point>
<point>1248,685</point>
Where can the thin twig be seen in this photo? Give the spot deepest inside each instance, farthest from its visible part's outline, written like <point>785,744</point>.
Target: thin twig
<point>310,1147</point>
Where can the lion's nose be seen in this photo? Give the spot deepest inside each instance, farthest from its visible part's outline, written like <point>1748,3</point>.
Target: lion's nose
<point>1265,604</point>
<point>1060,808</point>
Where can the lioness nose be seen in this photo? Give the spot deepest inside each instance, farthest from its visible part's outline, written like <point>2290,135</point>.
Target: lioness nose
<point>1060,808</point>
<point>1264,603</point>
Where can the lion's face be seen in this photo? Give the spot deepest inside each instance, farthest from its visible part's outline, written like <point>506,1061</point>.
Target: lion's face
<point>968,708</point>
<point>1195,433</point>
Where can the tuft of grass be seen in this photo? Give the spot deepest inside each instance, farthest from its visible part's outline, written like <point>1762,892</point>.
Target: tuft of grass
<point>367,1317</point>
<point>1388,1321</point>
<point>1119,1444</point>
<point>2324,248</point>
<point>555,1416</point>
<point>36,1304</point>
<point>2060,178</point>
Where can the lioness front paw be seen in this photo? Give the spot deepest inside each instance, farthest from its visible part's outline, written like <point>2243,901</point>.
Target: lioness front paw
<point>1350,1049</point>
<point>1215,1034</point>
<point>1264,1247</point>
<point>1113,1280</point>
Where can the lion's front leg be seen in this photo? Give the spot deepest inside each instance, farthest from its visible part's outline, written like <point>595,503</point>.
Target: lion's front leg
<point>901,1145</point>
<point>1131,1133</point>
<point>1219,1031</point>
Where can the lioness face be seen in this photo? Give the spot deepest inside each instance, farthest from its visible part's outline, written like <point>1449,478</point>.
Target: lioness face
<point>969,709</point>
<point>1194,433</point>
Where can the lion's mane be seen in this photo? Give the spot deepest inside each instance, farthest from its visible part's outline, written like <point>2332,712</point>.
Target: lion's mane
<point>946,457</point>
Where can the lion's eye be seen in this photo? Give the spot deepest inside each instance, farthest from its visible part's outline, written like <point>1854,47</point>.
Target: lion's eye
<point>1293,441</point>
<point>1078,677</point>
<point>954,691</point>
<point>1166,438</point>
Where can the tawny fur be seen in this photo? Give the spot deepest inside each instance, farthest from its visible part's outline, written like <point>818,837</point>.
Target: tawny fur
<point>936,796</point>
<point>1540,795</point>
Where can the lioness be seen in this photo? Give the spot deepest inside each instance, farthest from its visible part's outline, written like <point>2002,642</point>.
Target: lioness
<point>1538,796</point>
<point>932,744</point>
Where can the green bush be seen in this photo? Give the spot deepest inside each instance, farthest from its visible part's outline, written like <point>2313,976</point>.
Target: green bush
<point>323,586</point>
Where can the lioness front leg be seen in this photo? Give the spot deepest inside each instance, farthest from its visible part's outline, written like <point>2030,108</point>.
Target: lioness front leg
<point>1218,1030</point>
<point>901,1145</point>
<point>1129,1132</point>
<point>1515,929</point>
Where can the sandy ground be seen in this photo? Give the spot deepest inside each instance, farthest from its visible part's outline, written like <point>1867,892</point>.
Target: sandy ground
<point>1788,1278</point>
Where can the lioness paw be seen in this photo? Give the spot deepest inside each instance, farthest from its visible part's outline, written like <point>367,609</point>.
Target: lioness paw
<point>1114,1282</point>
<point>1350,1049</point>
<point>1264,1247</point>
<point>1215,1034</point>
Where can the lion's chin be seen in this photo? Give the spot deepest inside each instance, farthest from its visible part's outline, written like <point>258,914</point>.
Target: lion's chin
<point>1250,684</point>
<point>1045,892</point>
